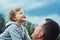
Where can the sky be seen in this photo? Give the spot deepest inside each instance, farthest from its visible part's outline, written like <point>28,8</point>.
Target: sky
<point>35,10</point>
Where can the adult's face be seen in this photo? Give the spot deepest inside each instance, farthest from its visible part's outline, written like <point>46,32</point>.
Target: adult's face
<point>38,33</point>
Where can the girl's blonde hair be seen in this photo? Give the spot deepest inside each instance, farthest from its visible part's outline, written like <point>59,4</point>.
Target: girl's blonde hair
<point>12,13</point>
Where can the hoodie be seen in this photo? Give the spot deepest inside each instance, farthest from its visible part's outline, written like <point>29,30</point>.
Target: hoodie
<point>14,32</point>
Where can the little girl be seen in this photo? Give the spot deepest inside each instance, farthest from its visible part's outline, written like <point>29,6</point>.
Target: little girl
<point>15,30</point>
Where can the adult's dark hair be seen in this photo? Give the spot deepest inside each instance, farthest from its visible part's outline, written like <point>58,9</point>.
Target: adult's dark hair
<point>51,29</point>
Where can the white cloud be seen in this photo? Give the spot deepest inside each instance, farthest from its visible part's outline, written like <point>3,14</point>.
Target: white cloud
<point>38,19</point>
<point>40,3</point>
<point>4,1</point>
<point>25,4</point>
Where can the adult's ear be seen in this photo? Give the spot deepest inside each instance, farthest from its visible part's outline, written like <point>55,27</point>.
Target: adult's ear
<point>41,34</point>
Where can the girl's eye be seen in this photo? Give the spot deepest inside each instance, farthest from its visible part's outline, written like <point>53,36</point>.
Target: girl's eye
<point>21,13</point>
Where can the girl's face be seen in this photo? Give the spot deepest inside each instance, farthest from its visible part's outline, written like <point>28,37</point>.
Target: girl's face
<point>20,16</point>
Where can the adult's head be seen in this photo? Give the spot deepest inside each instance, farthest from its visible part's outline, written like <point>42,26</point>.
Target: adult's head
<point>17,14</point>
<point>46,30</point>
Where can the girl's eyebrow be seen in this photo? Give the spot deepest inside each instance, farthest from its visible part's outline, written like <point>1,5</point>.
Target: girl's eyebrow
<point>19,11</point>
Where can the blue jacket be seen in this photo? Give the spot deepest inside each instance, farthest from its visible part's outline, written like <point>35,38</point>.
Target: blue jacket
<point>14,32</point>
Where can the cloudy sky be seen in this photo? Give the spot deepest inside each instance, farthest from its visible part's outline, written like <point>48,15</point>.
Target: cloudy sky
<point>35,10</point>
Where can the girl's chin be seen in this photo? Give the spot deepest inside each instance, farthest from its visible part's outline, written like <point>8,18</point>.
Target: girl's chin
<point>23,19</point>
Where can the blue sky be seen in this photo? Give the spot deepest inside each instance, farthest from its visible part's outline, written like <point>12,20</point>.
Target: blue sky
<point>35,10</point>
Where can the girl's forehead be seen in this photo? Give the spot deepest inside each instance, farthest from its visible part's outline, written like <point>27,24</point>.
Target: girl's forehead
<point>20,11</point>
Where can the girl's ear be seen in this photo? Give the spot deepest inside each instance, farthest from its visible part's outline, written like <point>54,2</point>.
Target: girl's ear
<point>14,18</point>
<point>41,34</point>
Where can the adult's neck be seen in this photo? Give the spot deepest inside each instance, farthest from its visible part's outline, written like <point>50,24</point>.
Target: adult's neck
<point>39,38</point>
